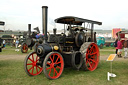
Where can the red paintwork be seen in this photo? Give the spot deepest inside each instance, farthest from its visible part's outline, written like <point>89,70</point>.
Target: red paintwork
<point>25,48</point>
<point>56,66</point>
<point>32,68</point>
<point>92,62</point>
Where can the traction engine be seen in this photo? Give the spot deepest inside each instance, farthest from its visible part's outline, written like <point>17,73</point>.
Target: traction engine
<point>1,44</point>
<point>75,47</point>
<point>31,40</point>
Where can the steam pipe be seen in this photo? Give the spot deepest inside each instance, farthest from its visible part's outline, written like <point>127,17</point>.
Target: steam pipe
<point>29,29</point>
<point>44,22</point>
<point>92,26</point>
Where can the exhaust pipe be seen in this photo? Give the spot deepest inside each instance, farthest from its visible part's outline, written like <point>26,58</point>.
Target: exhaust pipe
<point>44,22</point>
<point>29,29</point>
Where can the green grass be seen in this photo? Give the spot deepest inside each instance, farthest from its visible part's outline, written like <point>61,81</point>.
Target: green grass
<point>12,73</point>
<point>11,50</point>
<point>106,52</point>
<point>108,47</point>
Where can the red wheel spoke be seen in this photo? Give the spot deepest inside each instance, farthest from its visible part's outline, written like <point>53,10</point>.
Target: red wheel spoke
<point>58,67</point>
<point>50,72</point>
<point>93,56</point>
<point>93,53</point>
<point>93,61</point>
<point>57,59</point>
<point>48,63</point>
<point>90,65</point>
<point>37,58</point>
<point>48,68</point>
<point>39,67</point>
<point>87,60</point>
<point>54,73</point>
<point>58,62</point>
<point>30,59</point>
<point>29,63</point>
<point>24,47</point>
<point>91,49</point>
<point>36,69</point>
<point>51,59</point>
<point>30,68</point>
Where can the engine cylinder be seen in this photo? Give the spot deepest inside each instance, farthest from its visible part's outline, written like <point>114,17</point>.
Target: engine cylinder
<point>43,49</point>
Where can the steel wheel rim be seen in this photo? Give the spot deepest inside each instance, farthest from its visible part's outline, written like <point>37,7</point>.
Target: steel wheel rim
<point>31,65</point>
<point>54,66</point>
<point>25,48</point>
<point>92,57</point>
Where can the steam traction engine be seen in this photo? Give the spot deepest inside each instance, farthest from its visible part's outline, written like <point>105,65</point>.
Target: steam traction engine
<point>76,49</point>
<point>31,40</point>
<point>1,44</point>
<point>1,40</point>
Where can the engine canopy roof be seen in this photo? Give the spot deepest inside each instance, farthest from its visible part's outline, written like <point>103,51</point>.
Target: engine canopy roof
<point>75,20</point>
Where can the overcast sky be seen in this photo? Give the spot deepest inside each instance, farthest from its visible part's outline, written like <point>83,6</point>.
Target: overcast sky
<point>17,14</point>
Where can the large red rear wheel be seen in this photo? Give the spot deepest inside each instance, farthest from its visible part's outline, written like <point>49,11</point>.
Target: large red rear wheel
<point>91,52</point>
<point>92,57</point>
<point>53,65</point>
<point>31,65</point>
<point>24,48</point>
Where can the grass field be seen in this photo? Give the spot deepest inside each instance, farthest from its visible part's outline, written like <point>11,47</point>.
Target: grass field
<point>12,72</point>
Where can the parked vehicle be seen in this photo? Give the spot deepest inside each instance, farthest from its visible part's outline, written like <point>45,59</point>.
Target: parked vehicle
<point>77,49</point>
<point>100,42</point>
<point>30,39</point>
<point>1,44</point>
<point>123,35</point>
<point>1,40</point>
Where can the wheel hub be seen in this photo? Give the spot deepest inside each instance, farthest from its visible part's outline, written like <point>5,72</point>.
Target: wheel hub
<point>89,56</point>
<point>34,63</point>
<point>53,65</point>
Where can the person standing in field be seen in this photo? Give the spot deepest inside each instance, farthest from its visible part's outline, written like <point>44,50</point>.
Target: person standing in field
<point>3,43</point>
<point>125,48</point>
<point>17,43</point>
<point>119,46</point>
<point>115,45</point>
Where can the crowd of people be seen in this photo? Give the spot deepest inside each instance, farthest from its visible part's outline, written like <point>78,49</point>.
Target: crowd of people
<point>120,45</point>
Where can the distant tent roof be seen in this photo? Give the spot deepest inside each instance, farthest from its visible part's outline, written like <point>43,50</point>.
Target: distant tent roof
<point>75,20</point>
<point>2,23</point>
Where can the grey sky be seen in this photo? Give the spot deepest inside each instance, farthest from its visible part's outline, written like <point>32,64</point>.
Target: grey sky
<point>19,13</point>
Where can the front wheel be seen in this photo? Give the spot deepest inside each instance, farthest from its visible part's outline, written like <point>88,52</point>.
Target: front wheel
<point>53,65</point>
<point>24,48</point>
<point>32,65</point>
